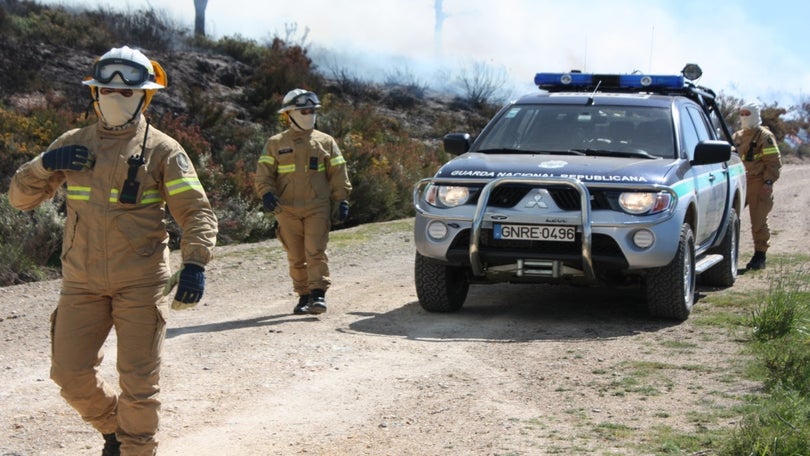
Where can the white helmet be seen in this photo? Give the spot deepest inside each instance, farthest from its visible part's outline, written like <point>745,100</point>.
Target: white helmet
<point>131,68</point>
<point>299,99</point>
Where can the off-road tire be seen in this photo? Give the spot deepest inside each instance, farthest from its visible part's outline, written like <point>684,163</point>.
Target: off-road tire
<point>670,290</point>
<point>439,287</point>
<point>724,273</point>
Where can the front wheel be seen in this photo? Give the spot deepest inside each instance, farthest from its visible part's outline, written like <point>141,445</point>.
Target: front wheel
<point>440,287</point>
<point>670,290</point>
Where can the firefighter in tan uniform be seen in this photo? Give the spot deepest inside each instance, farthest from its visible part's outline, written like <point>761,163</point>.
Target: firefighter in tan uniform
<point>121,175</point>
<point>757,147</point>
<point>301,177</point>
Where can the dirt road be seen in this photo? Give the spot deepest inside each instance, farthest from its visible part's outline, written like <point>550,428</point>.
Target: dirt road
<point>521,370</point>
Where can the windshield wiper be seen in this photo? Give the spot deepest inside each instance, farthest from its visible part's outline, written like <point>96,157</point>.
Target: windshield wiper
<point>529,151</point>
<point>502,150</point>
<point>616,153</point>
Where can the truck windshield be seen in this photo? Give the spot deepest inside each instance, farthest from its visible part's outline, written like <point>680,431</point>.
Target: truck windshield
<point>629,130</point>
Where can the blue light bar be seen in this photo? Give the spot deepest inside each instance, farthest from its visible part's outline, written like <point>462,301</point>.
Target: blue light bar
<point>561,81</point>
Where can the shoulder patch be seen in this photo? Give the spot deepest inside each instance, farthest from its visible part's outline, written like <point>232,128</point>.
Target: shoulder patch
<point>770,140</point>
<point>183,163</point>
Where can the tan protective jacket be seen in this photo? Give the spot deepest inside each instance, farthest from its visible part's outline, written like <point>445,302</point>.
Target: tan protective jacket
<point>302,168</point>
<point>762,160</point>
<point>107,243</point>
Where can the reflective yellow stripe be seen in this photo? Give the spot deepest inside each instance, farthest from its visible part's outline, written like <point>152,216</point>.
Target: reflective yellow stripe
<point>321,167</point>
<point>770,150</point>
<point>339,160</point>
<point>151,196</point>
<point>183,185</point>
<point>78,193</point>
<point>267,159</point>
<point>114,195</point>
<point>285,169</point>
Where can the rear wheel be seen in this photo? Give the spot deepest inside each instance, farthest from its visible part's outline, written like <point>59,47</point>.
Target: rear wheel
<point>670,290</point>
<point>440,287</point>
<point>724,273</point>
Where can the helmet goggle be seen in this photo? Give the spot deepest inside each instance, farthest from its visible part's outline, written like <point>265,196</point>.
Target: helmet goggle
<point>131,73</point>
<point>305,100</point>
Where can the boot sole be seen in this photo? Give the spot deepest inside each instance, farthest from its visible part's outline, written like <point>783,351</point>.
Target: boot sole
<point>316,309</point>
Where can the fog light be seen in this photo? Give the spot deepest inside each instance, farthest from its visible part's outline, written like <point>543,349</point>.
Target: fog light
<point>643,238</point>
<point>437,230</point>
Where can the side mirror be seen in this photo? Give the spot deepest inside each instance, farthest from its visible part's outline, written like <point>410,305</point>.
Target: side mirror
<point>711,151</point>
<point>457,143</point>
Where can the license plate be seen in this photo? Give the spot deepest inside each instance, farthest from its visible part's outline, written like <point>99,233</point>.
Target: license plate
<point>535,232</point>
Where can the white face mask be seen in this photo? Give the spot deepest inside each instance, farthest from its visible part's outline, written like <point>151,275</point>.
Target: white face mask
<point>302,121</point>
<point>750,121</point>
<point>116,109</point>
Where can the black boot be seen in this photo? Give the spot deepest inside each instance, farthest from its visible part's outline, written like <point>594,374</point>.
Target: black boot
<point>757,261</point>
<point>318,304</point>
<point>302,308</point>
<point>112,447</point>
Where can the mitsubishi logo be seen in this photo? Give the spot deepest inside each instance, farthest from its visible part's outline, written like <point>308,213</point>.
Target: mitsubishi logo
<point>538,201</point>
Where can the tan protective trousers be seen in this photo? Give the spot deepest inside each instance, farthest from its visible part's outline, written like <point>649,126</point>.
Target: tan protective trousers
<point>304,233</point>
<point>759,206</point>
<point>79,326</point>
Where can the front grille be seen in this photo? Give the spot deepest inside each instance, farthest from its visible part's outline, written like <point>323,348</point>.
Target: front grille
<point>507,196</point>
<point>566,198</point>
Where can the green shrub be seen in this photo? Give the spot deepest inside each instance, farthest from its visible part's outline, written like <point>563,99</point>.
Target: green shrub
<point>780,422</point>
<point>780,427</point>
<point>28,241</point>
<point>784,309</point>
<point>26,133</point>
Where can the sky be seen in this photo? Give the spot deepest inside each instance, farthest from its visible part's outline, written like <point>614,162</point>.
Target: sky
<point>753,50</point>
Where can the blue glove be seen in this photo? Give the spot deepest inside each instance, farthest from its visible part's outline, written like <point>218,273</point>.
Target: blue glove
<point>269,202</point>
<point>190,287</point>
<point>343,211</point>
<point>74,158</point>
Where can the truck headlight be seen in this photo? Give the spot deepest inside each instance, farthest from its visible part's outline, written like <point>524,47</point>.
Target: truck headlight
<point>638,203</point>
<point>447,195</point>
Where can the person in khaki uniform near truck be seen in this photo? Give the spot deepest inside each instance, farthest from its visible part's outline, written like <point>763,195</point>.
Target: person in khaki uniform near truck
<point>760,154</point>
<point>121,175</point>
<point>302,178</point>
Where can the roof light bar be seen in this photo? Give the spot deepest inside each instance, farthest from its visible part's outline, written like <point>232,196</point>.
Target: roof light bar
<point>558,81</point>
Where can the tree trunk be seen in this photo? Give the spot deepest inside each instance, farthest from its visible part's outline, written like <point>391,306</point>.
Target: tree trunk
<point>199,17</point>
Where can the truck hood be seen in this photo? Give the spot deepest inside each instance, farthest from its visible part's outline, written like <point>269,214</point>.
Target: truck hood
<point>587,169</point>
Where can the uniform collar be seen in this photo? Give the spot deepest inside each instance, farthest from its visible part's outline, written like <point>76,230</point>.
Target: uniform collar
<point>296,133</point>
<point>125,131</point>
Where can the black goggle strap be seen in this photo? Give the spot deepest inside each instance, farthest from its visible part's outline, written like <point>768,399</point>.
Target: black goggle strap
<point>136,114</point>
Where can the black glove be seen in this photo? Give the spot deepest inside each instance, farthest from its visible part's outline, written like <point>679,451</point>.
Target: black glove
<point>74,158</point>
<point>269,202</point>
<point>190,287</point>
<point>343,211</point>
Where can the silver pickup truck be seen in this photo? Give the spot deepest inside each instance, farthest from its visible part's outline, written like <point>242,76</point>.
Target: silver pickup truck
<point>595,179</point>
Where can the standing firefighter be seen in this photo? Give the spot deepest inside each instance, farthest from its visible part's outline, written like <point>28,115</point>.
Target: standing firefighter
<point>302,178</point>
<point>121,175</point>
<point>757,147</point>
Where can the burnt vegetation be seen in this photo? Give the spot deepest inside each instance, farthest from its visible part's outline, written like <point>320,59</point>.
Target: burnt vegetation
<point>221,105</point>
